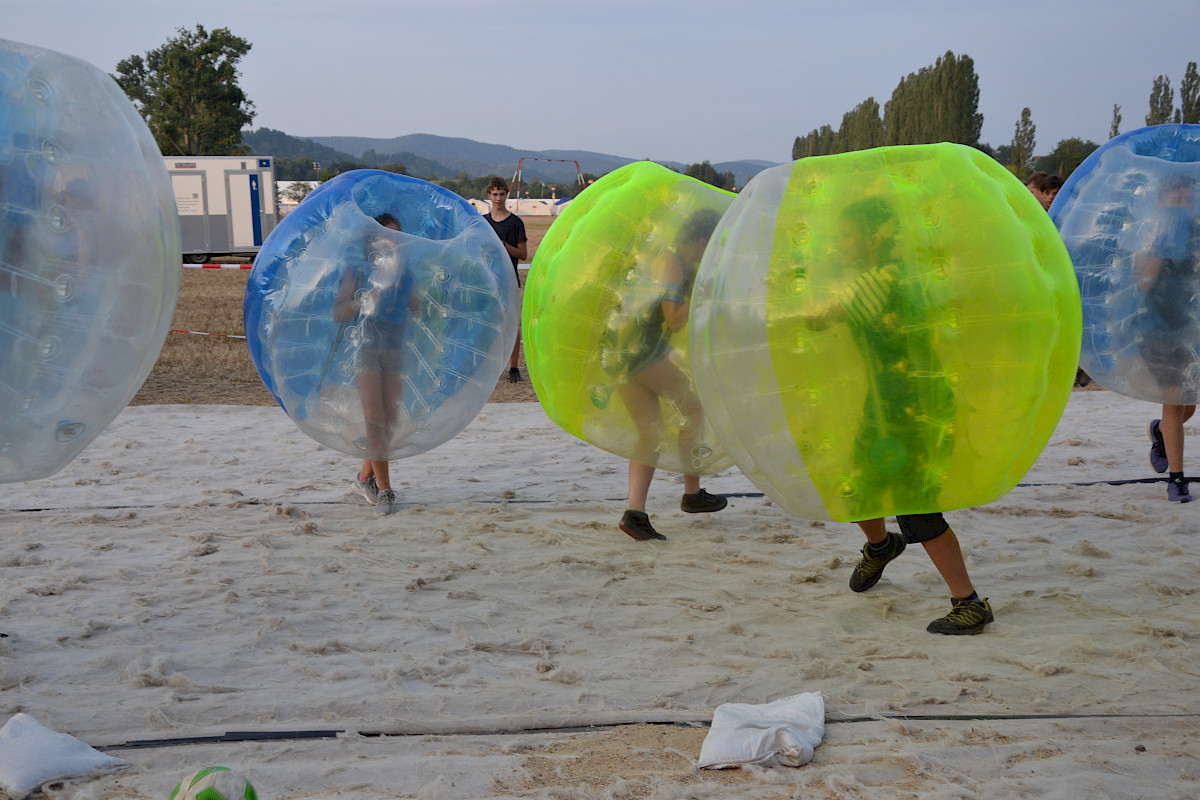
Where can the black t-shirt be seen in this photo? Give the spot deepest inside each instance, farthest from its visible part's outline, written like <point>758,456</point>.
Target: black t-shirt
<point>511,230</point>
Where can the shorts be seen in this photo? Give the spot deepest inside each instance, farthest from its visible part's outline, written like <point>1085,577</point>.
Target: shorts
<point>390,361</point>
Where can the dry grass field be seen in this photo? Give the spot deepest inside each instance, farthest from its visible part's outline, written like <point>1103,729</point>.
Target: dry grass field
<point>218,370</point>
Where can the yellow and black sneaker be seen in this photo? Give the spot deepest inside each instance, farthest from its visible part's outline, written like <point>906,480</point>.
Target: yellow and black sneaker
<point>967,617</point>
<point>875,558</point>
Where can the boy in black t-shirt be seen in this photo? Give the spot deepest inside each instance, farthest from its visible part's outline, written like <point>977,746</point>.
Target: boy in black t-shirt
<point>511,230</point>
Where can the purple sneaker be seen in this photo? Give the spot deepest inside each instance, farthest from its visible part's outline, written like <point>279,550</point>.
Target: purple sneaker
<point>1177,492</point>
<point>1158,449</point>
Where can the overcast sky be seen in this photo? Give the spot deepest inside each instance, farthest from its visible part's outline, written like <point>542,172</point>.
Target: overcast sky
<point>681,80</point>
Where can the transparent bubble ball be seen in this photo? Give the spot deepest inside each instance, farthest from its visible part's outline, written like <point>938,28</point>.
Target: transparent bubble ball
<point>1130,217</point>
<point>89,257</point>
<point>381,343</point>
<point>890,331</point>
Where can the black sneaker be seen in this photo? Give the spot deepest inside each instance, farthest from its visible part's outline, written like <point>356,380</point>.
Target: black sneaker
<point>702,503</point>
<point>870,569</point>
<point>966,618</point>
<point>637,524</point>
<point>514,375</point>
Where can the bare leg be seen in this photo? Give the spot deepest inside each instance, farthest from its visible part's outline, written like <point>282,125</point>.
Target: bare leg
<point>640,476</point>
<point>946,554</point>
<point>1171,428</point>
<point>873,529</point>
<point>380,393</point>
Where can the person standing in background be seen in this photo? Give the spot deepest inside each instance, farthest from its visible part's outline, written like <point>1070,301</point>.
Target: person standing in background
<point>511,230</point>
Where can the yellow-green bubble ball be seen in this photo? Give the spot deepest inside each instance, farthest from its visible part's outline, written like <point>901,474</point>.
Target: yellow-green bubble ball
<point>605,317</point>
<point>891,331</point>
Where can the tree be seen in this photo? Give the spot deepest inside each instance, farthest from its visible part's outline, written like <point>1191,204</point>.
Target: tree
<point>705,171</point>
<point>1115,128</point>
<point>861,128</point>
<point>936,104</point>
<point>1023,143</point>
<point>1065,157</point>
<point>1189,95</point>
<point>1162,101</point>
<point>818,142</point>
<point>297,191</point>
<point>187,91</point>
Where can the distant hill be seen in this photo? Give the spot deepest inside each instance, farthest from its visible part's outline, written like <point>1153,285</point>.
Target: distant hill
<point>429,156</point>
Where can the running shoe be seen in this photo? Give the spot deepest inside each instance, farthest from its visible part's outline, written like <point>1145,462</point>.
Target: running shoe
<point>368,490</point>
<point>966,618</point>
<point>870,569</point>
<point>1158,448</point>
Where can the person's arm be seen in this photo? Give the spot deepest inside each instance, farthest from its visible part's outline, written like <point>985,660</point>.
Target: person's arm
<point>676,306</point>
<point>521,251</point>
<point>346,304</point>
<point>863,300</point>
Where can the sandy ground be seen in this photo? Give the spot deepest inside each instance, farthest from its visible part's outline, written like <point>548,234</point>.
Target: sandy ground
<point>202,571</point>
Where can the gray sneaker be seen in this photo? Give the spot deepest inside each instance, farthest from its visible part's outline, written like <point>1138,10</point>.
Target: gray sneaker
<point>368,490</point>
<point>386,502</point>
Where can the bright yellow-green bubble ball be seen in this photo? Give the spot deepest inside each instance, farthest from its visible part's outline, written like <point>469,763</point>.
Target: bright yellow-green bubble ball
<point>891,331</point>
<point>605,317</point>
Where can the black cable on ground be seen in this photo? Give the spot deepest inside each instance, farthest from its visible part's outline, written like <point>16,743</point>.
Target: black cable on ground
<point>301,735</point>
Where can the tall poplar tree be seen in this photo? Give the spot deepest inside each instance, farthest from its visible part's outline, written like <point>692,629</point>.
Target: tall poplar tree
<point>1189,95</point>
<point>1115,128</point>
<point>936,104</point>
<point>187,91</point>
<point>1023,143</point>
<point>1162,101</point>
<point>861,128</point>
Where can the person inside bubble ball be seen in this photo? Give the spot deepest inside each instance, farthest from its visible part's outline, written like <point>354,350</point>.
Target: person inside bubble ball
<point>376,296</point>
<point>654,373</point>
<point>1168,276</point>
<point>907,412</point>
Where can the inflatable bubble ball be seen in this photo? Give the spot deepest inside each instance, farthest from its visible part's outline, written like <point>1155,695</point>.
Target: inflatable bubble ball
<point>891,331</point>
<point>89,257</point>
<point>606,315</point>
<point>380,312</point>
<point>214,783</point>
<point>1130,217</point>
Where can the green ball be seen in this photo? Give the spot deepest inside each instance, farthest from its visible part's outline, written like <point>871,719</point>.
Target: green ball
<point>603,356</point>
<point>890,331</point>
<point>214,783</point>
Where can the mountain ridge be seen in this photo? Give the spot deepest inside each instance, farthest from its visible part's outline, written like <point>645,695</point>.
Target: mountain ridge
<point>428,155</point>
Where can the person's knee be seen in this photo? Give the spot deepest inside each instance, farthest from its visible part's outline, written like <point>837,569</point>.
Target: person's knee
<point>919,528</point>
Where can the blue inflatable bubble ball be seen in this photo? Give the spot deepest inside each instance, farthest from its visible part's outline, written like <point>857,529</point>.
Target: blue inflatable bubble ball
<point>1130,217</point>
<point>380,314</point>
<point>89,257</point>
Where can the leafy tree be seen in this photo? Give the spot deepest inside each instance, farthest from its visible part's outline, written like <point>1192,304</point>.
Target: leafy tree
<point>1162,101</point>
<point>1003,154</point>
<point>862,128</point>
<point>297,191</point>
<point>1189,95</point>
<point>1065,157</point>
<point>187,91</point>
<point>705,171</point>
<point>1023,143</point>
<point>1115,128</point>
<point>818,142</point>
<point>936,104</point>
